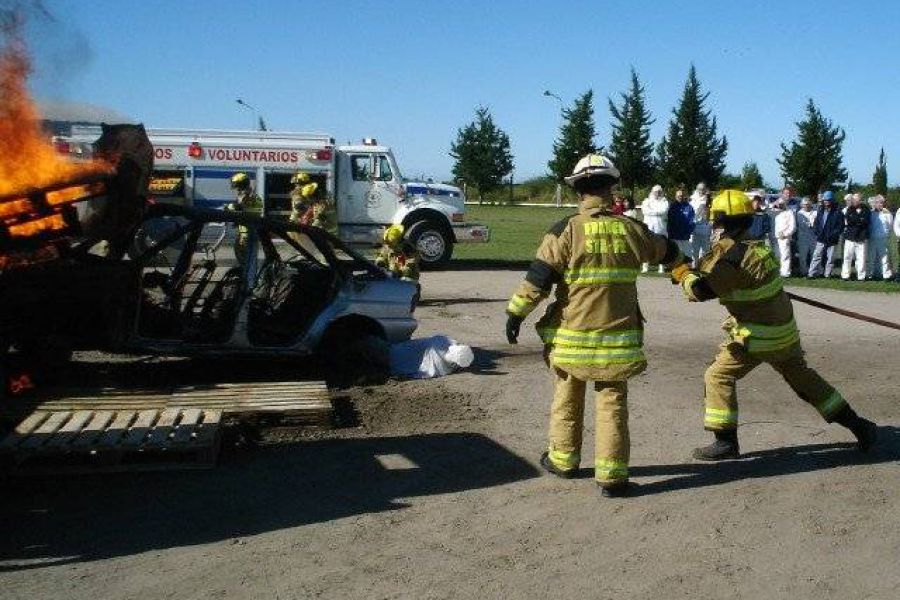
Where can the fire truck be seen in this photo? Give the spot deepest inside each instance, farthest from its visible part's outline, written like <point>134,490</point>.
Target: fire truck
<point>194,168</point>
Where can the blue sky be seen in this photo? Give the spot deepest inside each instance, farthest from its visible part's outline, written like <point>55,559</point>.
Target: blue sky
<point>410,73</point>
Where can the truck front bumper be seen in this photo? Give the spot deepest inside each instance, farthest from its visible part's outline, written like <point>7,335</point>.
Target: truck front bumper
<point>471,233</point>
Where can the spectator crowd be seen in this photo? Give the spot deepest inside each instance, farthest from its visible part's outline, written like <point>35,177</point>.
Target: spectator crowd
<point>806,235</point>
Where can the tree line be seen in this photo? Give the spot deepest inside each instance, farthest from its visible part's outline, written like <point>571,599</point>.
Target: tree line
<point>690,151</point>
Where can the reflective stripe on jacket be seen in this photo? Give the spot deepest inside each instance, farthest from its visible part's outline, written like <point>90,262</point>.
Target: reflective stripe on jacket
<point>592,259</point>
<point>745,276</point>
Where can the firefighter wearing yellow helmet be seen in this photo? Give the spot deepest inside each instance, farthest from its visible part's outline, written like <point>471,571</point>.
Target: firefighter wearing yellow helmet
<point>743,274</point>
<point>398,255</point>
<point>594,329</point>
<point>308,204</point>
<point>247,201</point>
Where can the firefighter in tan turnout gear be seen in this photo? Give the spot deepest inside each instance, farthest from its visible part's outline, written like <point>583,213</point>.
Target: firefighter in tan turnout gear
<point>398,255</point>
<point>247,201</point>
<point>308,207</point>
<point>744,275</point>
<point>593,331</point>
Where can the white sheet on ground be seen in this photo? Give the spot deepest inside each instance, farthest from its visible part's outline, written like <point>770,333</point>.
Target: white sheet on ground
<point>429,357</point>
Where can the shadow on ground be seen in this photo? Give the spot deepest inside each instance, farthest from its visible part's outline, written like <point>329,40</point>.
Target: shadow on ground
<point>766,463</point>
<point>75,519</point>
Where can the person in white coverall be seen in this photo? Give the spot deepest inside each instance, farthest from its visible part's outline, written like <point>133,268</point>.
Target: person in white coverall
<point>806,235</point>
<point>702,228</point>
<point>784,227</point>
<point>880,225</point>
<point>655,209</point>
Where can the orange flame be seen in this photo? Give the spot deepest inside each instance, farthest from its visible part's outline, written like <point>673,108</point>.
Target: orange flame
<point>27,158</point>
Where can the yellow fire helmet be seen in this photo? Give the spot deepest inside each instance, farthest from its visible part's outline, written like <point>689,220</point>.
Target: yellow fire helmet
<point>239,180</point>
<point>730,203</point>
<point>299,178</point>
<point>393,234</point>
<point>309,189</point>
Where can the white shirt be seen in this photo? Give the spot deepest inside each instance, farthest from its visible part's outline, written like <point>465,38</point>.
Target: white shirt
<point>656,214</point>
<point>701,213</point>
<point>785,224</point>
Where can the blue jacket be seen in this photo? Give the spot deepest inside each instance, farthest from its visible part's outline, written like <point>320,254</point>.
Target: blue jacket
<point>828,231</point>
<point>761,226</point>
<point>681,221</point>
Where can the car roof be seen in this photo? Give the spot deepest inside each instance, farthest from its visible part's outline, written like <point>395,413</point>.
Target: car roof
<point>213,215</point>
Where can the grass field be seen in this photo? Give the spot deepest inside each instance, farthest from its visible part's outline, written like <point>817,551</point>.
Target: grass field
<point>516,232</point>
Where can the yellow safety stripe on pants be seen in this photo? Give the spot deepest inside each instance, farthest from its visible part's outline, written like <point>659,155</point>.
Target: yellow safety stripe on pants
<point>758,293</point>
<point>831,405</point>
<point>629,338</point>
<point>601,276</point>
<point>610,469</point>
<point>720,418</point>
<point>519,306</point>
<point>577,355</point>
<point>766,338</point>
<point>564,460</point>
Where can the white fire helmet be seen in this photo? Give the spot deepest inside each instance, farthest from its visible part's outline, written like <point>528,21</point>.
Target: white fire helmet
<point>591,166</point>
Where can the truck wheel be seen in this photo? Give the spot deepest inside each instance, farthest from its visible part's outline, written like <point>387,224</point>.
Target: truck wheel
<point>433,243</point>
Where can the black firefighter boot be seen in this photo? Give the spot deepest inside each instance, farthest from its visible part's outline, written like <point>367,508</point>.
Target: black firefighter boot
<point>866,431</point>
<point>725,447</point>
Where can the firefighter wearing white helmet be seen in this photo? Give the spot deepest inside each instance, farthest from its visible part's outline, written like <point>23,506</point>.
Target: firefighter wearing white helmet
<point>594,330</point>
<point>398,255</point>
<point>247,201</point>
<point>743,273</point>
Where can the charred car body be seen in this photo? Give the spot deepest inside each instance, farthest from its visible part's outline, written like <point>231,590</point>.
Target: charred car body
<point>118,274</point>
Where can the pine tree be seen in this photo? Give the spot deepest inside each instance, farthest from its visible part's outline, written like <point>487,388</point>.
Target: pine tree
<point>879,178</point>
<point>814,160</point>
<point>630,147</point>
<point>691,151</point>
<point>482,153</point>
<point>751,178</point>
<point>576,136</point>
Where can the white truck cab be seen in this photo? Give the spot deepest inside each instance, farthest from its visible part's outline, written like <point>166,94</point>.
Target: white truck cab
<point>194,167</point>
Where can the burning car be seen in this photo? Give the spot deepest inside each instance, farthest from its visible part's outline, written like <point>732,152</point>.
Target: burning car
<point>180,290</point>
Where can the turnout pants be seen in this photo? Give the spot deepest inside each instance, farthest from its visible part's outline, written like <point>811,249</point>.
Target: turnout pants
<point>612,446</point>
<point>734,362</point>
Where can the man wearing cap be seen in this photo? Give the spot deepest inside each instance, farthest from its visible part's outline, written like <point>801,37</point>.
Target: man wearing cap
<point>593,331</point>
<point>857,217</point>
<point>828,226</point>
<point>742,273</point>
<point>880,227</point>
<point>806,235</point>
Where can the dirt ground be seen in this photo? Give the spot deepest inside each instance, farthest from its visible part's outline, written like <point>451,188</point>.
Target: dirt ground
<point>431,490</point>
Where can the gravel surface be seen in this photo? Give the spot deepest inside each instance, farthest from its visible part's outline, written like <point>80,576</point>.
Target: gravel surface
<point>432,490</point>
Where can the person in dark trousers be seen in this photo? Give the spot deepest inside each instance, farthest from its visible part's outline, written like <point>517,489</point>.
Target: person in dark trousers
<point>828,227</point>
<point>761,226</point>
<point>681,222</point>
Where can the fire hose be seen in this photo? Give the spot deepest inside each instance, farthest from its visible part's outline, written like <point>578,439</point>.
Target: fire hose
<point>844,312</point>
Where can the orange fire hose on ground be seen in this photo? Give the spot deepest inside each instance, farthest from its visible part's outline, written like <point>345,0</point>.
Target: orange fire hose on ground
<point>842,311</point>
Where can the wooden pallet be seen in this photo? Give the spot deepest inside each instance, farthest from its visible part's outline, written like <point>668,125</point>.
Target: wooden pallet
<point>113,440</point>
<point>299,402</point>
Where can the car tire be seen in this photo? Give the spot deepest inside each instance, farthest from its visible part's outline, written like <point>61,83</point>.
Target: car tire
<point>434,243</point>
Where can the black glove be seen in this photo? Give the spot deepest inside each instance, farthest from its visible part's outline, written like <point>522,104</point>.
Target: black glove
<point>513,325</point>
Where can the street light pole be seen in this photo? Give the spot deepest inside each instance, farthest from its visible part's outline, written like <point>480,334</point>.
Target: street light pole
<point>262,123</point>
<point>557,196</point>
